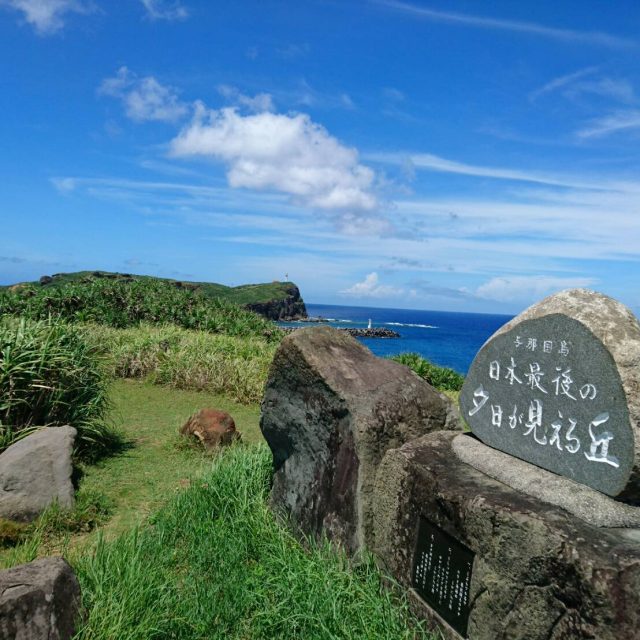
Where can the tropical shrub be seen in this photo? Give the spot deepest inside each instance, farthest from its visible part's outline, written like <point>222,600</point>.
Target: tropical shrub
<point>197,360</point>
<point>442,378</point>
<point>50,376</point>
<point>121,304</point>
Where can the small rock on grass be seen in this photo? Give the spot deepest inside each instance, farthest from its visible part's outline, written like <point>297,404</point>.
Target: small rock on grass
<point>213,428</point>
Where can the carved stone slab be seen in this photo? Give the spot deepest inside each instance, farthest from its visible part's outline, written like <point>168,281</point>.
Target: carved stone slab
<point>559,387</point>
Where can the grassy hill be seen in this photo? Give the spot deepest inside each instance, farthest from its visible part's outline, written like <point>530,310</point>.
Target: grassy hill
<point>275,300</point>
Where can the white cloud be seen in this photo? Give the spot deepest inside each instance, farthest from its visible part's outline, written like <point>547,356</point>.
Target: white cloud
<point>257,104</point>
<point>287,153</point>
<point>525,288</point>
<point>517,26</point>
<point>410,161</point>
<point>391,93</point>
<point>47,16</point>
<point>163,10</point>
<point>562,81</point>
<point>371,288</point>
<point>574,85</point>
<point>612,123</point>
<point>144,99</point>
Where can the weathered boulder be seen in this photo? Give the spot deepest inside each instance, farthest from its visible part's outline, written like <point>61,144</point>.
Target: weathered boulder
<point>45,280</point>
<point>35,472</point>
<point>330,411</point>
<point>212,427</point>
<point>39,601</point>
<point>559,386</point>
<point>514,566</point>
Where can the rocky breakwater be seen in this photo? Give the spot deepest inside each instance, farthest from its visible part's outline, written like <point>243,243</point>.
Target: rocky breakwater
<point>291,307</point>
<point>374,332</point>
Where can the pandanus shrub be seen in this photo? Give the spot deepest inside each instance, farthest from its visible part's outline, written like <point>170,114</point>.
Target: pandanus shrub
<point>50,376</point>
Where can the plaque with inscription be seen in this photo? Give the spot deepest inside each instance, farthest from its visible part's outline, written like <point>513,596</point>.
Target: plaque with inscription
<point>548,391</point>
<point>442,574</point>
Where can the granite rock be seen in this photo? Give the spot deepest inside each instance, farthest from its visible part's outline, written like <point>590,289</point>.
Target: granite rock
<point>539,573</point>
<point>330,411</point>
<point>35,472</point>
<point>39,601</point>
<point>559,386</point>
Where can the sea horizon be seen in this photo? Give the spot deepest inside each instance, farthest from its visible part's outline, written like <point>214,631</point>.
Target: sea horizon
<point>446,338</point>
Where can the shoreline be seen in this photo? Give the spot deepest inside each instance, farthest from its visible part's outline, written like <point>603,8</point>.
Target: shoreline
<point>374,332</point>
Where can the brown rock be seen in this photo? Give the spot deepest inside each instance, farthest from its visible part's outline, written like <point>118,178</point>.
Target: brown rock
<point>212,427</point>
<point>330,411</point>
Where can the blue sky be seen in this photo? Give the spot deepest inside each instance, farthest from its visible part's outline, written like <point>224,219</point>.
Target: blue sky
<point>435,155</point>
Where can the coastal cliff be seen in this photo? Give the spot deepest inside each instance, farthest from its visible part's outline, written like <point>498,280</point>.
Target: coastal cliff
<point>291,307</point>
<point>274,300</point>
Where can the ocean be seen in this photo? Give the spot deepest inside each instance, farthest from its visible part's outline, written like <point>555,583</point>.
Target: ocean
<point>446,338</point>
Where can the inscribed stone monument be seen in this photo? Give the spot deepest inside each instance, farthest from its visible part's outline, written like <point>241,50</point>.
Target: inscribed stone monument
<point>558,386</point>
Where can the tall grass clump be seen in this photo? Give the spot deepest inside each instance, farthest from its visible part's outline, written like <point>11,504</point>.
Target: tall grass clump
<point>442,378</point>
<point>50,376</point>
<point>216,564</point>
<point>183,359</point>
<point>127,303</point>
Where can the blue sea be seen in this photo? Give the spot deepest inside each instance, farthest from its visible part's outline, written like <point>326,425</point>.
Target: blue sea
<point>446,338</point>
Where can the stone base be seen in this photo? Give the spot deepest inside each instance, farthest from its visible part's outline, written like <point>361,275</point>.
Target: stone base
<point>539,572</point>
<point>584,502</point>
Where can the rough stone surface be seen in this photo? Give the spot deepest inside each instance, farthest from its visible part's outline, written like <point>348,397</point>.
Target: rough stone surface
<point>36,471</point>
<point>330,411</point>
<point>39,601</point>
<point>212,427</point>
<point>539,573</point>
<point>584,502</point>
<point>559,386</point>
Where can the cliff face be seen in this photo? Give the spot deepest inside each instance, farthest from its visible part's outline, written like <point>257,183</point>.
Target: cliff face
<point>290,307</point>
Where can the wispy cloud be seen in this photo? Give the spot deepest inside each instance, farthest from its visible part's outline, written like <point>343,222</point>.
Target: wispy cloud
<point>47,16</point>
<point>524,288</point>
<point>431,162</point>
<point>288,153</point>
<point>582,82</point>
<point>293,50</point>
<point>371,287</point>
<point>165,10</point>
<point>517,26</point>
<point>391,93</point>
<point>258,103</point>
<point>613,123</point>
<point>562,81</point>
<point>144,99</point>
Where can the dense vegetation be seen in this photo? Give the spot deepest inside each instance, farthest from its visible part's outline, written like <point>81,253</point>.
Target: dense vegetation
<point>197,360</point>
<point>216,564</point>
<point>121,304</point>
<point>244,294</point>
<point>49,375</point>
<point>441,378</point>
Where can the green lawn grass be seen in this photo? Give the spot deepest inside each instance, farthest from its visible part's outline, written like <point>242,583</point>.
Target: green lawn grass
<point>157,465</point>
<point>133,484</point>
<point>215,564</point>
